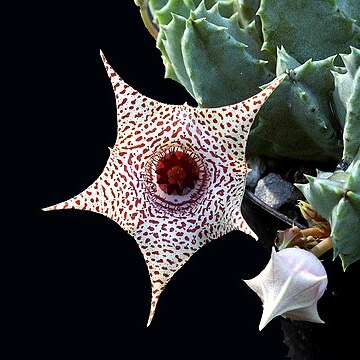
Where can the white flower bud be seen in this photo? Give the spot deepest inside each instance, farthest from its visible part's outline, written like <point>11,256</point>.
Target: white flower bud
<point>290,285</point>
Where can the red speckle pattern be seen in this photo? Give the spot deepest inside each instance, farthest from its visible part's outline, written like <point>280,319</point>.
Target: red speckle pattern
<point>169,229</point>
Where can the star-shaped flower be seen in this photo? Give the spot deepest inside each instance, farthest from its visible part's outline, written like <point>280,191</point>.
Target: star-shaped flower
<point>175,178</point>
<point>290,285</point>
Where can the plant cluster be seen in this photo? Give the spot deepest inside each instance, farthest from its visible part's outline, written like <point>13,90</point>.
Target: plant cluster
<point>222,51</point>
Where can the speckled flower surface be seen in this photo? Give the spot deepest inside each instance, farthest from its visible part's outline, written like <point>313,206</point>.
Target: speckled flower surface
<point>175,177</point>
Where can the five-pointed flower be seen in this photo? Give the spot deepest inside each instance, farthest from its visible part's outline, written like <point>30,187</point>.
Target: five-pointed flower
<point>175,177</point>
<point>290,285</point>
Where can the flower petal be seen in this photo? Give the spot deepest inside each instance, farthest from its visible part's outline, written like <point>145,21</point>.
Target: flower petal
<point>170,226</point>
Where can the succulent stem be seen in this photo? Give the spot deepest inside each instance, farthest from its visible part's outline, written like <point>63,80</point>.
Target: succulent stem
<point>144,12</point>
<point>322,247</point>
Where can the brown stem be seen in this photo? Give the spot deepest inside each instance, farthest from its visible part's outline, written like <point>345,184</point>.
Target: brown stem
<point>143,5</point>
<point>323,246</point>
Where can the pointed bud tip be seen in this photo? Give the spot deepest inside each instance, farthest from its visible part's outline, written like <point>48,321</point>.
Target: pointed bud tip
<point>264,321</point>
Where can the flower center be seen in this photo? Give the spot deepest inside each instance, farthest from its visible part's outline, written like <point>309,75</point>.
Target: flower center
<point>177,172</point>
<point>176,179</point>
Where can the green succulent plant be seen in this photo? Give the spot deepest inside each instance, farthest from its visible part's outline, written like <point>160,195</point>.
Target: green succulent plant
<point>223,51</point>
<point>336,196</point>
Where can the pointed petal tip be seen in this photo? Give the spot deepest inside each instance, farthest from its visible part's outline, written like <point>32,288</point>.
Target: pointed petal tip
<point>245,228</point>
<point>154,301</point>
<point>151,315</point>
<point>49,208</point>
<point>282,77</point>
<point>73,203</point>
<point>149,320</point>
<point>264,94</point>
<point>253,234</point>
<point>103,58</point>
<point>277,81</point>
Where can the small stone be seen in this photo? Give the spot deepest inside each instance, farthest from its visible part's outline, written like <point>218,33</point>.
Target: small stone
<point>273,190</point>
<point>256,168</point>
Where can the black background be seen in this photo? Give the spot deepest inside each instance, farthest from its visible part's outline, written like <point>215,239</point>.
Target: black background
<point>79,287</point>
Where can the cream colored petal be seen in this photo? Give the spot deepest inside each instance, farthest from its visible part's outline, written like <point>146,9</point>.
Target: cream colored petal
<point>169,228</point>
